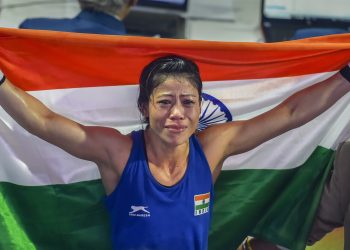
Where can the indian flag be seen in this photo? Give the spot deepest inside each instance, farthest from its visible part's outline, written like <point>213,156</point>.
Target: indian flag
<point>201,204</point>
<point>51,200</point>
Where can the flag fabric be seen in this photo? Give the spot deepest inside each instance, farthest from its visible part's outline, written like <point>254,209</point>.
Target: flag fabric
<point>51,200</point>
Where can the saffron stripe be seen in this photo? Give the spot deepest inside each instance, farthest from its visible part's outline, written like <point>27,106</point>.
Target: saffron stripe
<point>77,54</point>
<point>201,196</point>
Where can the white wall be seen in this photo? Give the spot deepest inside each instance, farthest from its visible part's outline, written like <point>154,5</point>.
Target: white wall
<point>224,20</point>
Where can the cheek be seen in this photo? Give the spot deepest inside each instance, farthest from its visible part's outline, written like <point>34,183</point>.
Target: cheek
<point>197,110</point>
<point>194,114</point>
<point>157,115</point>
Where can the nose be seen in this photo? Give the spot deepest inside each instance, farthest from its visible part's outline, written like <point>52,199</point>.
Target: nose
<point>177,112</point>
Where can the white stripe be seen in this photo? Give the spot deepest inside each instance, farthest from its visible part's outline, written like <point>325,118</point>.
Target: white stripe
<point>201,202</point>
<point>27,160</point>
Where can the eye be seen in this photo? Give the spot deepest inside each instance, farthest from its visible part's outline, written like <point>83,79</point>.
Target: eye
<point>164,102</point>
<point>189,102</point>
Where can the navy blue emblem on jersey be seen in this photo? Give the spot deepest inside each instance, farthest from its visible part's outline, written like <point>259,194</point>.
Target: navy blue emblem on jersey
<point>213,111</point>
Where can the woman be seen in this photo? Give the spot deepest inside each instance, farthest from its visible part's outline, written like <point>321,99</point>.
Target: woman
<point>159,181</point>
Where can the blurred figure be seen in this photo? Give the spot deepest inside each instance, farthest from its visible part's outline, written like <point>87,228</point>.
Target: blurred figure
<point>312,32</point>
<point>334,208</point>
<point>96,16</point>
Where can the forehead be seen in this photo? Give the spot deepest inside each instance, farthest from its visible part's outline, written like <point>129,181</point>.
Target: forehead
<point>176,84</point>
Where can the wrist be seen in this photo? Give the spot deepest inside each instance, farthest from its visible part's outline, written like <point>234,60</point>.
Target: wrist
<point>345,72</point>
<point>2,77</point>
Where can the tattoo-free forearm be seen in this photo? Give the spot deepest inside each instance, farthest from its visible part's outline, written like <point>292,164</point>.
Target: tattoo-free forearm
<point>309,103</point>
<point>29,112</point>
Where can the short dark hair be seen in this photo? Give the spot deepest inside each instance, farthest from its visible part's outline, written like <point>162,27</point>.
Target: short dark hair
<point>157,71</point>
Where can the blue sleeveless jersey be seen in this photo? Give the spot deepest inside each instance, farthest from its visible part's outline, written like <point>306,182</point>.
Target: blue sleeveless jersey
<point>147,215</point>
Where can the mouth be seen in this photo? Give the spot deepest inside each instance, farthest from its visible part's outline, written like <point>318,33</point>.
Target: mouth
<point>175,128</point>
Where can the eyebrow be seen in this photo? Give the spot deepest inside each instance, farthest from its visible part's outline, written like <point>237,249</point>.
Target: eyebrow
<point>171,95</point>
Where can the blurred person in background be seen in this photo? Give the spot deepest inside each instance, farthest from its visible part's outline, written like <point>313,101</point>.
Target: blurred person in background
<point>96,16</point>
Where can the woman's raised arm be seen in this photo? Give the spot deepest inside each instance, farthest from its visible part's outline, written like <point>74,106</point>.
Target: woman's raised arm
<point>105,146</point>
<point>232,138</point>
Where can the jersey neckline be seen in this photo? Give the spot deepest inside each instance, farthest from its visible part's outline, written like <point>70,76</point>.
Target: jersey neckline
<point>150,175</point>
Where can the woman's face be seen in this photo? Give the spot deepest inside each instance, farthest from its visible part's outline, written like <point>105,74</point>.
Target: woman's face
<point>174,110</point>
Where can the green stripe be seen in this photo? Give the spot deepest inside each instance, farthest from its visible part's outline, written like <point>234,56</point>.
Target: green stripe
<point>11,229</point>
<point>273,204</point>
<point>276,205</point>
<point>53,217</point>
<point>202,206</point>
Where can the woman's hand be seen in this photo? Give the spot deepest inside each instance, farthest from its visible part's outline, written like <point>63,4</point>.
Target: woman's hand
<point>2,77</point>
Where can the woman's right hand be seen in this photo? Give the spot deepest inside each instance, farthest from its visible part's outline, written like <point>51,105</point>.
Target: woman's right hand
<point>2,77</point>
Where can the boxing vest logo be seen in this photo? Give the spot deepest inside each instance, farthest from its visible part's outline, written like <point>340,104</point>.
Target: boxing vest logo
<point>139,211</point>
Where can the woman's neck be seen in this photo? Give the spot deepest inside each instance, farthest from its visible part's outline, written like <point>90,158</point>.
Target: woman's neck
<point>167,163</point>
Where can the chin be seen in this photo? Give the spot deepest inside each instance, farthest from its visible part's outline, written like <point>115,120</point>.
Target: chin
<point>178,138</point>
